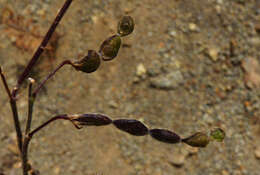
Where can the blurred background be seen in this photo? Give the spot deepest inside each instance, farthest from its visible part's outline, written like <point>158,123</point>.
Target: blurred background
<point>188,66</point>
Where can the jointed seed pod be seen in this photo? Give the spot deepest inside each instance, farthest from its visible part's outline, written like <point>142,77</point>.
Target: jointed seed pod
<point>89,63</point>
<point>164,135</point>
<point>125,26</point>
<point>217,134</point>
<point>91,119</point>
<point>198,139</point>
<point>110,47</point>
<point>133,127</point>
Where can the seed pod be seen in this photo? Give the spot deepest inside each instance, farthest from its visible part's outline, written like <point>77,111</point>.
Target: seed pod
<point>110,47</point>
<point>89,63</point>
<point>91,119</point>
<point>198,139</point>
<point>217,134</point>
<point>125,26</point>
<point>164,135</point>
<point>133,127</point>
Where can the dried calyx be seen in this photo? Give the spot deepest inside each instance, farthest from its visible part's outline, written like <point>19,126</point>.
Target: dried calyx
<point>89,63</point>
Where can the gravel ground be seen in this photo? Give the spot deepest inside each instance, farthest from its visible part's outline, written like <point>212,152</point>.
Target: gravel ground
<point>189,66</point>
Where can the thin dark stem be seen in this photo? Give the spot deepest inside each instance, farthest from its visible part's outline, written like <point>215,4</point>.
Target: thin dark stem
<point>25,155</point>
<point>5,84</point>
<point>42,46</point>
<point>49,76</point>
<point>58,117</point>
<point>15,112</point>
<point>17,124</point>
<point>29,136</point>
<point>31,100</point>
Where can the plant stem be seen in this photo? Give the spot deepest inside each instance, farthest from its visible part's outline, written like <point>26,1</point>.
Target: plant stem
<point>5,83</point>
<point>35,92</point>
<point>17,124</point>
<point>15,113</point>
<point>31,100</point>
<point>42,46</point>
<point>29,136</point>
<point>25,155</point>
<point>58,117</point>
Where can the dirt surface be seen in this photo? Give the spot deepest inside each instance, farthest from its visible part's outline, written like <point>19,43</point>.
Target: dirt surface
<point>189,66</point>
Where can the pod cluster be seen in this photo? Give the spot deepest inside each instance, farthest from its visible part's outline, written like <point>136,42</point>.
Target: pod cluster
<point>108,49</point>
<point>137,128</point>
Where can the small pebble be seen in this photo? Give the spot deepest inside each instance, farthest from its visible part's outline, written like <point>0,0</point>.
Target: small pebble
<point>193,27</point>
<point>177,160</point>
<point>213,53</point>
<point>140,70</point>
<point>257,152</point>
<point>169,81</point>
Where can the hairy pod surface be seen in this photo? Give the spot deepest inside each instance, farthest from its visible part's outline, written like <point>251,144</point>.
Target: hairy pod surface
<point>110,47</point>
<point>89,63</point>
<point>125,26</point>
<point>198,139</point>
<point>133,127</point>
<point>165,135</point>
<point>91,119</point>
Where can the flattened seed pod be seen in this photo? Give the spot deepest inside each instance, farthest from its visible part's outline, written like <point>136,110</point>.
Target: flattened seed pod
<point>125,26</point>
<point>110,47</point>
<point>133,127</point>
<point>164,135</point>
<point>198,139</point>
<point>91,119</point>
<point>89,63</point>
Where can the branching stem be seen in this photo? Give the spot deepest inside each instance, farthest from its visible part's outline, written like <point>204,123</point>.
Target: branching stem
<point>42,46</point>
<point>5,83</point>
<point>35,92</point>
<point>31,100</point>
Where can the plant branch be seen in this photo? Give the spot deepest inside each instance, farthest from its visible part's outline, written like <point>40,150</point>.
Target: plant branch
<point>58,117</point>
<point>29,136</point>
<point>15,112</point>
<point>31,100</point>
<point>42,46</point>
<point>5,83</point>
<point>17,124</point>
<point>35,92</point>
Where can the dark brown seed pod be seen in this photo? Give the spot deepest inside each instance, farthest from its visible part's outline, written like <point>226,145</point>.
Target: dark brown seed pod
<point>110,47</point>
<point>91,119</point>
<point>198,139</point>
<point>164,135</point>
<point>133,127</point>
<point>89,63</point>
<point>125,26</point>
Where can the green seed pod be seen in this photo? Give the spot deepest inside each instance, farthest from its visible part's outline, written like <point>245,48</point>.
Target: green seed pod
<point>89,63</point>
<point>217,134</point>
<point>125,26</point>
<point>198,139</point>
<point>110,47</point>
